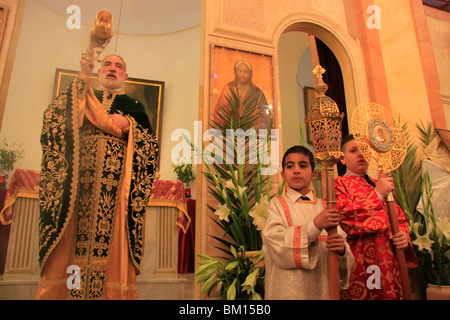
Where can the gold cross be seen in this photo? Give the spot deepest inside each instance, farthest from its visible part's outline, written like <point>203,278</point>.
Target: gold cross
<point>110,182</point>
<point>318,71</point>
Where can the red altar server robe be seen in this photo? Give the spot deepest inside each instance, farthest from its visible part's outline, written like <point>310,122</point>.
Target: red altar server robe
<point>365,221</point>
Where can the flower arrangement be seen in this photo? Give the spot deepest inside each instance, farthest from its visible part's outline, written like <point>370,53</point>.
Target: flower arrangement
<point>432,240</point>
<point>9,155</point>
<point>185,173</point>
<point>240,277</point>
<point>242,195</point>
<point>430,235</point>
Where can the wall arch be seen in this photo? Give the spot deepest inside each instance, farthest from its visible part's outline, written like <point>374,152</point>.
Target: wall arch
<point>346,48</point>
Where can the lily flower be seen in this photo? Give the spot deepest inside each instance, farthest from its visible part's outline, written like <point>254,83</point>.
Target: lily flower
<point>250,281</point>
<point>231,292</point>
<point>259,213</point>
<point>222,212</point>
<point>443,226</point>
<point>423,242</point>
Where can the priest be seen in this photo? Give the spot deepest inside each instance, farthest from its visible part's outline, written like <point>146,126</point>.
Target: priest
<point>98,165</point>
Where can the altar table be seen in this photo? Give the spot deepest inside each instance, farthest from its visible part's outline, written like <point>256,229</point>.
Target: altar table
<point>165,216</point>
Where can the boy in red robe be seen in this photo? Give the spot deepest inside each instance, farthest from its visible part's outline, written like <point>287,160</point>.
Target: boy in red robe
<point>364,217</point>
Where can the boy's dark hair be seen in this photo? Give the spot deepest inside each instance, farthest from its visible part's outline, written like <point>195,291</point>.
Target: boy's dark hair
<point>302,150</point>
<point>344,141</point>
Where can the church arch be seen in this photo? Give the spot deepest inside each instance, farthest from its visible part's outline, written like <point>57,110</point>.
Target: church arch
<point>345,47</point>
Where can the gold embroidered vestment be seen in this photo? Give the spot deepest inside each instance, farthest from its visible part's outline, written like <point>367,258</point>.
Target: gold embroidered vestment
<point>95,184</point>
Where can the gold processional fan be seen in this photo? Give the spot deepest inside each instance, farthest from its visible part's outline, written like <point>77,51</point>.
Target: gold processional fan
<point>379,137</point>
<point>383,145</point>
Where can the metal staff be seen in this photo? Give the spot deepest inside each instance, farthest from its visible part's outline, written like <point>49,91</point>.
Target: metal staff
<point>399,253</point>
<point>325,121</point>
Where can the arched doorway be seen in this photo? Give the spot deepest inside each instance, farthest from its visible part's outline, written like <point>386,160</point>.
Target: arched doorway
<point>340,54</point>
<point>298,53</point>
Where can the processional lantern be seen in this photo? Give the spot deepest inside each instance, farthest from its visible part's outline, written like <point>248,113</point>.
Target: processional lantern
<point>100,36</point>
<point>325,120</point>
<point>383,145</point>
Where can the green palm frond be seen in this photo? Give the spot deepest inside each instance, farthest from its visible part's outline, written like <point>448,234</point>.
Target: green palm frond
<point>240,113</point>
<point>238,188</point>
<point>408,178</point>
<point>427,133</point>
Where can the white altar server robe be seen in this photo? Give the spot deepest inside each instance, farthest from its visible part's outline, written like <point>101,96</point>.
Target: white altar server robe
<point>295,251</point>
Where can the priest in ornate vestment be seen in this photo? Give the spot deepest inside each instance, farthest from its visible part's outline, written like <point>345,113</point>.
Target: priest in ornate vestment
<point>98,166</point>
<point>365,219</point>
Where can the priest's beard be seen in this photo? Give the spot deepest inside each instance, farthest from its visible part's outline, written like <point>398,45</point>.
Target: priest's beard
<point>111,84</point>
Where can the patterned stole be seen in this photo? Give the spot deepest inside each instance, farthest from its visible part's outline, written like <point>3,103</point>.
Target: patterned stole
<point>297,252</point>
<point>99,186</point>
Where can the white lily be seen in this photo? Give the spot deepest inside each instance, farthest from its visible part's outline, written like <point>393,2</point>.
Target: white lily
<point>259,213</point>
<point>443,225</point>
<point>229,184</point>
<point>222,212</point>
<point>250,282</point>
<point>424,242</point>
<point>241,190</point>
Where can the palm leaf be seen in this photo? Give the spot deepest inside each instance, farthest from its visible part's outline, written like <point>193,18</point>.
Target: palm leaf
<point>408,177</point>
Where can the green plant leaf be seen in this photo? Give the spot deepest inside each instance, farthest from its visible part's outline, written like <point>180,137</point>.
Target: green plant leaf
<point>231,292</point>
<point>208,283</point>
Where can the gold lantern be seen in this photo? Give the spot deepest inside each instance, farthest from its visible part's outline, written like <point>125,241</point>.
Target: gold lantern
<point>325,121</point>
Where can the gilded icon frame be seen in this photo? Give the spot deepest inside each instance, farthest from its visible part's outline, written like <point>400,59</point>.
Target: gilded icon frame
<point>223,60</point>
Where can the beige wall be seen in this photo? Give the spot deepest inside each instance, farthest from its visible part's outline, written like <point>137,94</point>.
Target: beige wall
<point>439,26</point>
<point>403,67</point>
<point>45,43</point>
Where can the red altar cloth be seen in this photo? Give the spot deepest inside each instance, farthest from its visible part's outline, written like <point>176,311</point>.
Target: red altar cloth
<point>25,184</point>
<point>166,193</point>
<point>186,243</point>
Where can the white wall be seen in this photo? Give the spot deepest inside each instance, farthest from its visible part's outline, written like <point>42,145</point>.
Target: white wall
<point>169,53</point>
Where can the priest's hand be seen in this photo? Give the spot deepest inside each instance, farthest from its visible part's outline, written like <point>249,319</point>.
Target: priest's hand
<point>120,121</point>
<point>336,243</point>
<point>385,184</point>
<point>327,218</point>
<point>400,240</point>
<point>86,67</point>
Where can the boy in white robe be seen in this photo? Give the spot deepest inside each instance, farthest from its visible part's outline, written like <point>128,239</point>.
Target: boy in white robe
<point>295,242</point>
